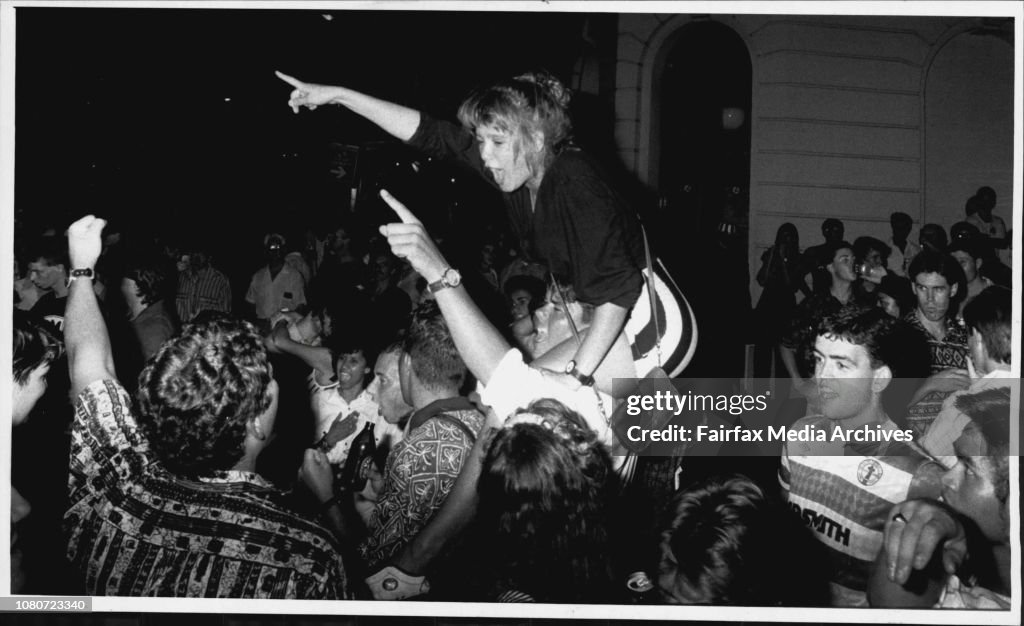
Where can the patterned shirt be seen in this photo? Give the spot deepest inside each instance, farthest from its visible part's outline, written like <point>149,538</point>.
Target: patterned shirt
<point>205,290</point>
<point>136,530</point>
<point>420,472</point>
<point>946,353</point>
<point>844,492</point>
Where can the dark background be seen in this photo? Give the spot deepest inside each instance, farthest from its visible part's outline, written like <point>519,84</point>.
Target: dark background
<point>169,118</point>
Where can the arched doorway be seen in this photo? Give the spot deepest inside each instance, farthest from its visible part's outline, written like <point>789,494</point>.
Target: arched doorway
<point>968,124</point>
<point>704,110</point>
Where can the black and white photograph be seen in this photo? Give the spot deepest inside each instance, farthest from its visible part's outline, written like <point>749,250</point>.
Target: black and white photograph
<point>511,312</point>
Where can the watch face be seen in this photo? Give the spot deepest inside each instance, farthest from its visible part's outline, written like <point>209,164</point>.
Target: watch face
<point>570,366</point>
<point>452,277</point>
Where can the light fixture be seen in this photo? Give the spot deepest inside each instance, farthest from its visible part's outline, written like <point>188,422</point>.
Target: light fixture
<point>732,118</point>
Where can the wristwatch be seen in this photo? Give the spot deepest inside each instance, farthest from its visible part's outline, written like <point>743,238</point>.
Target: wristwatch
<point>585,379</point>
<point>80,273</point>
<point>449,278</point>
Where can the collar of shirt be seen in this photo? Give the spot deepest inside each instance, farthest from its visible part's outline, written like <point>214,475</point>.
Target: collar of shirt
<point>236,476</point>
<point>458,403</point>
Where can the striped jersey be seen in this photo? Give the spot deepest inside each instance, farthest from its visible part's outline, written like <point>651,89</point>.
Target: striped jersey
<point>844,492</point>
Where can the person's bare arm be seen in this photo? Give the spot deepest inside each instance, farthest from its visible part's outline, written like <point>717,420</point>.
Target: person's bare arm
<point>398,121</point>
<point>318,358</point>
<point>85,333</point>
<point>479,343</point>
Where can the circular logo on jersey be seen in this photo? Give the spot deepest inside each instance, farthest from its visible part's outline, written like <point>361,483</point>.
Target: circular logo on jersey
<point>869,472</point>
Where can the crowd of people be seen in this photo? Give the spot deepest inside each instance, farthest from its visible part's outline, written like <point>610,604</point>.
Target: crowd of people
<point>372,421</point>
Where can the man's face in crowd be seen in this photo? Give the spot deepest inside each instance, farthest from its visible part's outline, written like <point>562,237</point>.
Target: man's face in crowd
<point>43,275</point>
<point>386,388</point>
<point>844,377</point>
<point>967,262</point>
<point>970,487</point>
<point>933,293</point>
<point>842,265</point>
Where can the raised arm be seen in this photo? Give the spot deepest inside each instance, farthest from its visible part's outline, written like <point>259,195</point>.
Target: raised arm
<point>317,357</point>
<point>479,343</point>
<point>398,121</point>
<point>85,333</point>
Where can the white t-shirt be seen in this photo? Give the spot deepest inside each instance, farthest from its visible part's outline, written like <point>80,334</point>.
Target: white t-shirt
<point>328,406</point>
<point>287,290</point>
<point>514,385</point>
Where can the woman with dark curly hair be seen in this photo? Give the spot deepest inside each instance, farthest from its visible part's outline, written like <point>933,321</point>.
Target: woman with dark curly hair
<point>545,487</point>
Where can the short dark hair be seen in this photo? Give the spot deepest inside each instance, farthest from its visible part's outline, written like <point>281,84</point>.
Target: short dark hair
<point>345,342</point>
<point>887,340</point>
<point>937,233</point>
<point>899,217</point>
<point>863,245</point>
<point>968,245</point>
<point>933,262</point>
<point>51,249</point>
<point>989,411</point>
<point>990,314</point>
<point>435,360</point>
<point>34,343</point>
<point>898,288</point>
<point>725,539</point>
<point>152,275</point>
<point>832,222</point>
<point>200,389</point>
<point>832,249</point>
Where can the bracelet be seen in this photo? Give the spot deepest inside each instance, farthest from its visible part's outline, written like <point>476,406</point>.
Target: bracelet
<point>328,504</point>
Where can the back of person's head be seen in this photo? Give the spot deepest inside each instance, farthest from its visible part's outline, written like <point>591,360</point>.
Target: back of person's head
<point>152,274</point>
<point>833,228</point>
<point>523,106</point>
<point>544,487</point>
<point>435,360</point>
<point>899,219</point>
<point>964,230</point>
<point>987,196</point>
<point>966,244</point>
<point>935,235</point>
<point>990,313</point>
<point>198,392</point>
<point>725,542</point>
<point>34,343</point>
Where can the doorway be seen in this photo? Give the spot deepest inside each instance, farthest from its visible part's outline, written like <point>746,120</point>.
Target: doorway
<point>704,108</point>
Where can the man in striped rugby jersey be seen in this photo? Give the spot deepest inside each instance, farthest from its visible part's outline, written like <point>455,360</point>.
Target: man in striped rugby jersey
<point>845,489</point>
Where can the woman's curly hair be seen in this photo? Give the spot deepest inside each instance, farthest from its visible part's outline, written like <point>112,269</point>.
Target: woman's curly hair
<point>545,487</point>
<point>522,106</point>
<point>199,391</point>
